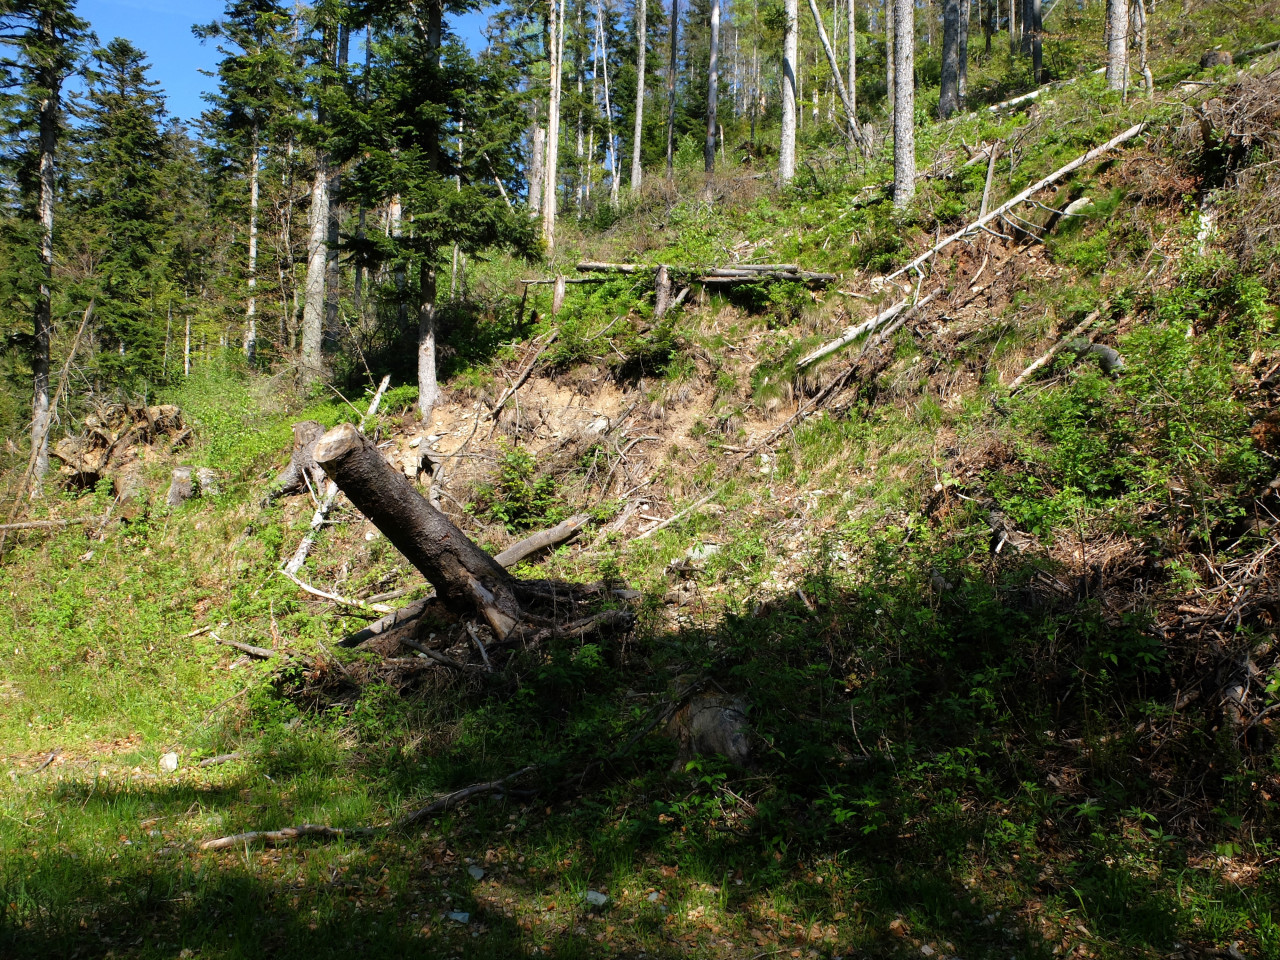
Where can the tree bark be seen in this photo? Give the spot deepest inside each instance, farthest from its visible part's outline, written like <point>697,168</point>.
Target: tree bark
<point>550,171</point>
<point>538,152</point>
<point>428,385</point>
<point>251,319</point>
<point>904,105</point>
<point>852,40</point>
<point>790,43</point>
<point>949,96</point>
<point>313,304</point>
<point>302,471</point>
<point>1036,25</point>
<point>671,89</point>
<point>963,85</point>
<point>1117,44</point>
<point>638,135</point>
<point>855,135</point>
<point>713,89</point>
<point>890,85</point>
<point>465,577</point>
<point>1139,19</point>
<point>50,82</point>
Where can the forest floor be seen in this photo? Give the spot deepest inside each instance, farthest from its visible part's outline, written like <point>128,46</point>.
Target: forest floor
<point>1007,656</point>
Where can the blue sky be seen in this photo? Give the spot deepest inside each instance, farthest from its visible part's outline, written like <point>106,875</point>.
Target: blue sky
<point>162,29</point>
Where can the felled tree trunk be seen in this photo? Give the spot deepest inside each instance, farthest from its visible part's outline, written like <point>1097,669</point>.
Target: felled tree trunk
<point>465,577</point>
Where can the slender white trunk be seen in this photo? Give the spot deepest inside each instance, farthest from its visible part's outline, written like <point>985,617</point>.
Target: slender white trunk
<point>41,414</point>
<point>608,107</point>
<point>251,318</point>
<point>538,148</point>
<point>1139,18</point>
<point>845,97</point>
<point>638,135</point>
<point>713,89</point>
<point>787,147</point>
<point>313,303</point>
<point>1117,44</point>
<point>853,58</point>
<point>890,84</point>
<point>428,385</point>
<point>186,350</point>
<point>904,104</point>
<point>550,174</point>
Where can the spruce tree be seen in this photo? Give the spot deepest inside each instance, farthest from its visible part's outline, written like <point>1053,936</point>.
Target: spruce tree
<point>43,39</point>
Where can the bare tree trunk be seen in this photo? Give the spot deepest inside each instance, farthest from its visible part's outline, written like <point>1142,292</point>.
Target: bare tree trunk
<point>612,148</point>
<point>891,85</point>
<point>1117,44</point>
<point>1013,26</point>
<point>41,415</point>
<point>790,43</point>
<point>1035,25</point>
<point>1139,26</point>
<point>333,269</point>
<point>855,135</point>
<point>537,150</point>
<point>904,106</point>
<point>186,350</point>
<point>465,577</point>
<point>713,89</point>
<point>550,172</point>
<point>962,86</point>
<point>853,58</point>
<point>251,319</point>
<point>949,96</point>
<point>428,385</point>
<point>638,134</point>
<point>989,23</point>
<point>671,89</point>
<point>313,304</point>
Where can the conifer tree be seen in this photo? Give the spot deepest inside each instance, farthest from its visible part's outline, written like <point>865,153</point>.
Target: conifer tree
<point>44,40</point>
<point>257,94</point>
<point>117,218</point>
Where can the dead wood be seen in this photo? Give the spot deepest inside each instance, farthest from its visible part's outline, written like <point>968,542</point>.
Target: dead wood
<point>273,838</point>
<point>338,598</point>
<point>303,472</point>
<point>852,333</point>
<point>1031,191</point>
<point>452,799</point>
<point>331,493</point>
<point>1056,349</point>
<point>465,577</point>
<point>219,760</point>
<point>262,653</point>
<point>520,380</point>
<point>40,525</point>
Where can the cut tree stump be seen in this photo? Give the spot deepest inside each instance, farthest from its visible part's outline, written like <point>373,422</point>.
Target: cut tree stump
<point>302,468</point>
<point>465,577</point>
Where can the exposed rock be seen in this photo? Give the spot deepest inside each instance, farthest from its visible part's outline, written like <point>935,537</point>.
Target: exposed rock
<point>1216,58</point>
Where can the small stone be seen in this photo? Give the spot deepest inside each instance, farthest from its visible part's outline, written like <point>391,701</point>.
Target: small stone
<point>595,898</point>
<point>414,443</point>
<point>460,916</point>
<point>927,950</point>
<point>477,873</point>
<point>653,898</point>
<point>169,762</point>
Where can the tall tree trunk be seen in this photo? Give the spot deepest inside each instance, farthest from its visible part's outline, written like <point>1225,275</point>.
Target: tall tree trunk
<point>790,43</point>
<point>1117,44</point>
<point>962,86</point>
<point>251,319</point>
<point>1037,45</point>
<point>537,161</point>
<point>853,58</point>
<point>612,149</point>
<point>313,303</point>
<point>638,134</point>
<point>671,89</point>
<point>1138,18</point>
<point>846,99</point>
<point>891,85</point>
<point>50,83</point>
<point>713,89</point>
<point>550,171</point>
<point>428,385</point>
<point>949,95</point>
<point>904,105</point>
<point>1013,26</point>
<point>989,24</point>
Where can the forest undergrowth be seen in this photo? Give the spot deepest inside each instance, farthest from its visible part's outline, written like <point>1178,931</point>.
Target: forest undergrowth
<point>1007,655</point>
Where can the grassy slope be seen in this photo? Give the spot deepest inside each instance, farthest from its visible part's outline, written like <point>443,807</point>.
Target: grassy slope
<point>956,757</point>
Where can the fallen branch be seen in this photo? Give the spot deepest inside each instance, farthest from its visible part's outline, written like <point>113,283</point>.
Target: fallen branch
<point>219,760</point>
<point>520,380</point>
<point>48,761</point>
<point>436,655</point>
<point>1056,349</point>
<point>508,558</point>
<point>683,513</point>
<point>1031,191</point>
<point>338,598</point>
<point>331,493</point>
<point>262,653</point>
<point>451,799</point>
<point>274,838</point>
<point>854,332</point>
<point>40,525</point>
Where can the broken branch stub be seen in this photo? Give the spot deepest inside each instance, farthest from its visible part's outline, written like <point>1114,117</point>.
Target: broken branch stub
<point>465,577</point>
